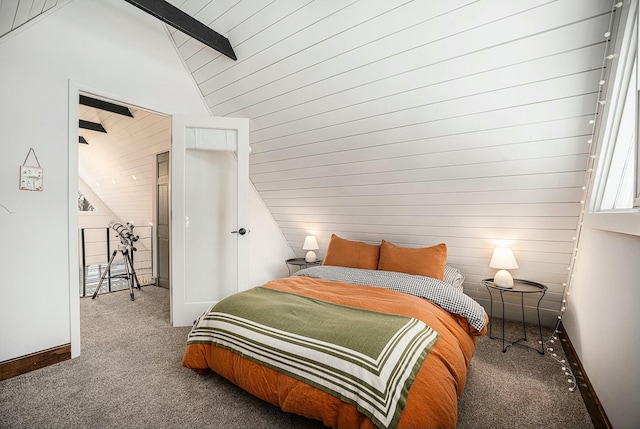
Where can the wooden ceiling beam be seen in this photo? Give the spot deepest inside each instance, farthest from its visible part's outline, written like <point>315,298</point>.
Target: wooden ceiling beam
<point>105,105</point>
<point>176,18</point>
<point>93,126</point>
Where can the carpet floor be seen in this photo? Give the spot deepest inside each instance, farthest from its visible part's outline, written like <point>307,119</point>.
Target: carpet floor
<point>129,376</point>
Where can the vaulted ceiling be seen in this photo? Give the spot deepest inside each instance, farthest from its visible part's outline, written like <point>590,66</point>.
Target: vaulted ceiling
<point>15,13</point>
<point>460,121</point>
<point>118,164</point>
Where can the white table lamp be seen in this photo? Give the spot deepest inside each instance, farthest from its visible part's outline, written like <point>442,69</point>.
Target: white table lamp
<point>503,260</point>
<point>310,244</point>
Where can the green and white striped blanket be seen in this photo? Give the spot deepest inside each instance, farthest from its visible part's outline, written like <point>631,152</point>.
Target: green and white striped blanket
<point>366,358</point>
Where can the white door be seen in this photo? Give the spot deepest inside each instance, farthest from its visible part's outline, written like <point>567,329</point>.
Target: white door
<point>209,219</point>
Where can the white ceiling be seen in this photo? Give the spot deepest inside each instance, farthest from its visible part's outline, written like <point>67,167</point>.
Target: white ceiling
<point>119,165</point>
<point>460,121</point>
<point>445,103</point>
<point>464,122</point>
<point>15,13</point>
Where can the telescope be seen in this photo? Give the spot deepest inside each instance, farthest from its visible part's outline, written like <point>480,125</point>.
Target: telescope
<point>127,238</point>
<point>126,249</point>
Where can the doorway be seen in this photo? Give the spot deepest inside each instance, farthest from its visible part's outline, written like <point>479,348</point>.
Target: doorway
<point>119,173</point>
<point>118,151</point>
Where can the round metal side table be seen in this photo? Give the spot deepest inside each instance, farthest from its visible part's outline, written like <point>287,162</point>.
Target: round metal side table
<point>301,263</point>
<point>522,287</point>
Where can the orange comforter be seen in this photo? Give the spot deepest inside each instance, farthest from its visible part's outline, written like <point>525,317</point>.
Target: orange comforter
<point>433,397</point>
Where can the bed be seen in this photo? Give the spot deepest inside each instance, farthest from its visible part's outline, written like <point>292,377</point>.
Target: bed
<point>348,344</point>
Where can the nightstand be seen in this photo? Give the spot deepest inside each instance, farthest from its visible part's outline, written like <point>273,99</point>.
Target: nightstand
<point>522,287</point>
<point>301,263</point>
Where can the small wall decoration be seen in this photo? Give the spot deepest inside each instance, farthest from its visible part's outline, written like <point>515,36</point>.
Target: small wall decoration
<point>31,176</point>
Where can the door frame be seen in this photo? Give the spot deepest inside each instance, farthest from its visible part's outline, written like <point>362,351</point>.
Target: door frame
<point>74,91</point>
<point>156,243</point>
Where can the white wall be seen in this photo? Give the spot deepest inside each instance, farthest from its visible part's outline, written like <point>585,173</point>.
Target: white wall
<point>266,254</point>
<point>602,320</point>
<point>121,53</point>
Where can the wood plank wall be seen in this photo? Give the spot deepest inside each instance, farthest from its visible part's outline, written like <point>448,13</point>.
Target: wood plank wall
<point>109,163</point>
<point>463,122</point>
<point>15,13</point>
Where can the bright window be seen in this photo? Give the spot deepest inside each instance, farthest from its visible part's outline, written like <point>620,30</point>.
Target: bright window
<point>83,204</point>
<point>616,181</point>
<point>619,189</point>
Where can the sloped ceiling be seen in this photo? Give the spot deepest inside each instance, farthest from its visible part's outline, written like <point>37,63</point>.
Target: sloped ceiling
<point>15,13</point>
<point>461,121</point>
<point>119,165</point>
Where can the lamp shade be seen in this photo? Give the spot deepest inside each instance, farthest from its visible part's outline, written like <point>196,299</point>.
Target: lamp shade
<point>503,259</point>
<point>310,243</point>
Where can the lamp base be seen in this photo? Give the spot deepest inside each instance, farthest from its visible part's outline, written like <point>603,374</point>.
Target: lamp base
<point>503,279</point>
<point>311,256</point>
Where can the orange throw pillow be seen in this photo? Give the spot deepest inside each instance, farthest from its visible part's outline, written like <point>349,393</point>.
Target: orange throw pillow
<point>352,254</point>
<point>424,261</point>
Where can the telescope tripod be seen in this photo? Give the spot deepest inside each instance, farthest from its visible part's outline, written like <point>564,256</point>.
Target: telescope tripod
<point>130,273</point>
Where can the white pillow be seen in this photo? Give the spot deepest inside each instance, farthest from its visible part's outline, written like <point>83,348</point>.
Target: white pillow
<point>453,276</point>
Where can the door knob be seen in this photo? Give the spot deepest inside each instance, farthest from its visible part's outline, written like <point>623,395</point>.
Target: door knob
<point>241,231</point>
